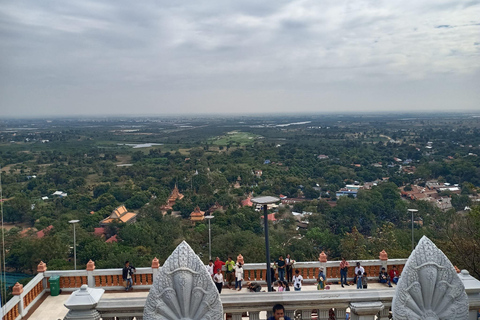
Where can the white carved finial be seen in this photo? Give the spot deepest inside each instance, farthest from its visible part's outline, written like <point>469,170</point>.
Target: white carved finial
<point>429,287</point>
<point>183,290</point>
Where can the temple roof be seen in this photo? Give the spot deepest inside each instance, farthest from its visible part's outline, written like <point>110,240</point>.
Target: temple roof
<point>120,214</point>
<point>197,214</point>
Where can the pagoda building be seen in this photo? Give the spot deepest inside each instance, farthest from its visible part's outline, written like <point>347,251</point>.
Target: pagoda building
<point>174,196</point>
<point>197,214</point>
<point>119,215</point>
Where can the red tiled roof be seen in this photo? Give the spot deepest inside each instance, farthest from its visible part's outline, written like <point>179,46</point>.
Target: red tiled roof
<point>112,239</point>
<point>99,231</point>
<point>42,233</point>
<point>270,217</point>
<point>247,202</point>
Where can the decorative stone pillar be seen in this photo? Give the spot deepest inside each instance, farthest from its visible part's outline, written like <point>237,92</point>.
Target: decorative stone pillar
<point>90,277</point>
<point>340,313</point>
<point>322,257</point>
<point>383,259</point>
<point>323,314</point>
<point>254,315</point>
<point>365,310</point>
<point>17,291</point>
<point>307,314</point>
<point>290,313</point>
<point>385,313</point>
<point>82,303</point>
<point>41,268</point>
<point>237,316</point>
<point>155,266</point>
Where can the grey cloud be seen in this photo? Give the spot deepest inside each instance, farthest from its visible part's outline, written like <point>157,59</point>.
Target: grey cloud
<point>54,52</point>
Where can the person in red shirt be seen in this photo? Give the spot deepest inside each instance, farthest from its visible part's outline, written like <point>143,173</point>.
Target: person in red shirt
<point>394,274</point>
<point>218,264</point>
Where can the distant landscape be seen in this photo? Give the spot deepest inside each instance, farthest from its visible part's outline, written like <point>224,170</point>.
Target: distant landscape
<point>345,184</point>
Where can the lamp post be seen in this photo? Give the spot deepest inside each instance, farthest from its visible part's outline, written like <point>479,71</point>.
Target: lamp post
<point>265,201</point>
<point>74,222</point>
<point>412,211</point>
<point>209,237</point>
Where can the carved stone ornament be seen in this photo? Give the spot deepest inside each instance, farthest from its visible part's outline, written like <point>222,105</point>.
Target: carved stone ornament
<point>429,287</point>
<point>183,290</point>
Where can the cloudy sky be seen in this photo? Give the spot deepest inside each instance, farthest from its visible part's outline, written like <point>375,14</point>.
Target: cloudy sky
<point>159,57</point>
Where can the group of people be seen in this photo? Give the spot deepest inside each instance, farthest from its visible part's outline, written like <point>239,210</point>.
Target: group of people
<point>360,278</point>
<point>233,272</point>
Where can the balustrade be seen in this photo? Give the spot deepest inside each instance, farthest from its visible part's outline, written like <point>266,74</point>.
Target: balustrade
<point>111,279</point>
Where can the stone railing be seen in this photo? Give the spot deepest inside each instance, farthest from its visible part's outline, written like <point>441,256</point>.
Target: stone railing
<point>363,304</point>
<point>24,298</point>
<point>111,279</point>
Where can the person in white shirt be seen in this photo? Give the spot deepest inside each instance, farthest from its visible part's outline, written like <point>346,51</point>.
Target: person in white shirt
<point>218,279</point>
<point>297,281</point>
<point>358,268</point>
<point>210,268</point>
<point>238,276</point>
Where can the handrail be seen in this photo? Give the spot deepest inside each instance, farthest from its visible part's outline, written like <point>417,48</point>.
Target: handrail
<point>111,279</point>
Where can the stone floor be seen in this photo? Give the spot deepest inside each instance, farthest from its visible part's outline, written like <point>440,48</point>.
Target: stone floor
<point>53,308</point>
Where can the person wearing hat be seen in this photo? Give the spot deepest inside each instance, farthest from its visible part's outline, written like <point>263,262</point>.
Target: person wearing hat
<point>321,279</point>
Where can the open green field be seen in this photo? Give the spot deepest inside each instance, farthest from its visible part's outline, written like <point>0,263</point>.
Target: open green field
<point>235,138</point>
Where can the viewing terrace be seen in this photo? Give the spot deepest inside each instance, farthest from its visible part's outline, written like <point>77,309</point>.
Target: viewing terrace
<point>35,303</point>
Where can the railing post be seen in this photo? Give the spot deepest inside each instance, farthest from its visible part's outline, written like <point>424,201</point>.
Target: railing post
<point>365,310</point>
<point>383,259</point>
<point>90,277</point>
<point>323,262</point>
<point>307,314</point>
<point>254,315</point>
<point>41,268</point>
<point>81,304</point>
<point>155,266</point>
<point>323,314</point>
<point>290,313</point>
<point>385,313</point>
<point>237,316</point>
<point>17,291</point>
<point>340,313</point>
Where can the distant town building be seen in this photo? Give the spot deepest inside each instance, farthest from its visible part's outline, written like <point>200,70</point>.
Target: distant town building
<point>322,157</point>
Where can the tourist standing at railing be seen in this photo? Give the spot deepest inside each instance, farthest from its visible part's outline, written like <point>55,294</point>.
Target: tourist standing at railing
<point>218,279</point>
<point>238,276</point>
<point>218,264</point>
<point>278,313</point>
<point>394,275</point>
<point>359,279</point>
<point>127,273</point>
<point>343,272</point>
<point>289,267</point>
<point>364,280</point>
<point>358,268</point>
<point>281,268</point>
<point>321,279</point>
<point>210,268</point>
<point>230,273</point>
<point>297,281</point>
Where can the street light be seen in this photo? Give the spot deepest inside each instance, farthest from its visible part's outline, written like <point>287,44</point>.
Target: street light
<point>74,222</point>
<point>412,211</point>
<point>265,201</point>
<point>209,237</point>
